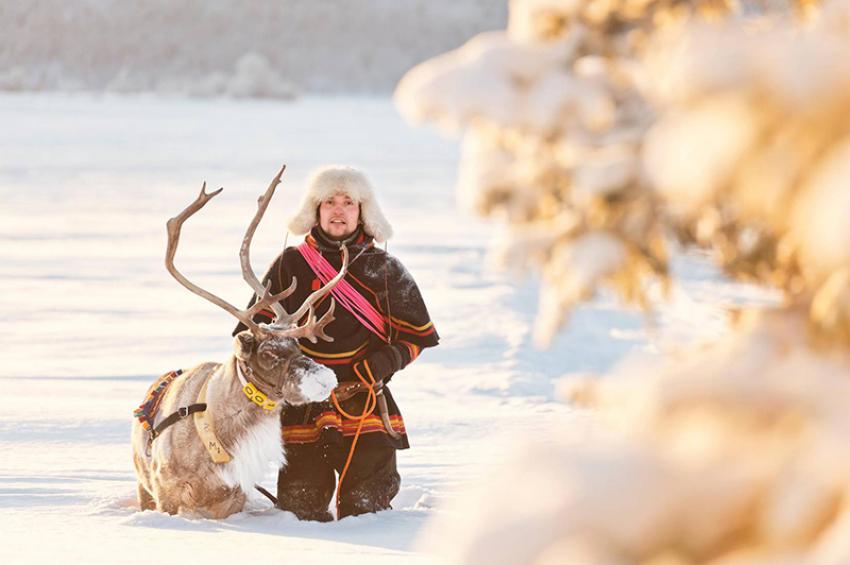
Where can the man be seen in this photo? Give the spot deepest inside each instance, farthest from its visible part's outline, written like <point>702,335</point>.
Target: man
<point>372,339</point>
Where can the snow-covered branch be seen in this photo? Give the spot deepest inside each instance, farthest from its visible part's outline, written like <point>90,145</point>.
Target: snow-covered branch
<point>554,119</point>
<point>752,156</point>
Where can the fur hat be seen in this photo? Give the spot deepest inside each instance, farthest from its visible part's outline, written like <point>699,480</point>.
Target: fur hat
<point>333,179</point>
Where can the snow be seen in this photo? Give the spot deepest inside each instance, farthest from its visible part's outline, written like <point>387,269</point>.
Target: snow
<point>798,66</point>
<point>529,18</point>
<point>689,154</point>
<point>820,222</point>
<point>491,78</point>
<point>89,317</point>
<point>733,453</point>
<point>317,383</point>
<point>577,269</point>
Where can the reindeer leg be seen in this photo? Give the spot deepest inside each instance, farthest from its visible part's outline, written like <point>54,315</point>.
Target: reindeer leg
<point>146,501</point>
<point>168,506</point>
<point>231,505</point>
<point>165,499</point>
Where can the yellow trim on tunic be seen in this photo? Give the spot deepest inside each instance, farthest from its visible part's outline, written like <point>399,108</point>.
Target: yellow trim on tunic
<point>332,355</point>
<point>411,326</point>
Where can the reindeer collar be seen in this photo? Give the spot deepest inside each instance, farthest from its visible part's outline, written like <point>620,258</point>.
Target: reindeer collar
<point>253,393</point>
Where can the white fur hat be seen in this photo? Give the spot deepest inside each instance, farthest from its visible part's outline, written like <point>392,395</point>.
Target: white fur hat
<point>333,179</point>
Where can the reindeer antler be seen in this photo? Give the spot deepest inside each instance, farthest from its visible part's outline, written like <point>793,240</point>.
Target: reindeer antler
<point>245,258</point>
<point>284,324</point>
<point>312,328</point>
<point>174,226</point>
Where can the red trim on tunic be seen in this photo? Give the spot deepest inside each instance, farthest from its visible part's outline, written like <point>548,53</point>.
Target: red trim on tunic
<point>309,433</point>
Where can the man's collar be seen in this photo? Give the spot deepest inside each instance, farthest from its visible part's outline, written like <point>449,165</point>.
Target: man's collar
<point>326,243</point>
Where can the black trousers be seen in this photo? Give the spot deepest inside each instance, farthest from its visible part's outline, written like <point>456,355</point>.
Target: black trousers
<point>306,484</point>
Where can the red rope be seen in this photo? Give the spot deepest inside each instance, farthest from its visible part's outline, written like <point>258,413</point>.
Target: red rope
<point>344,293</point>
<point>368,409</point>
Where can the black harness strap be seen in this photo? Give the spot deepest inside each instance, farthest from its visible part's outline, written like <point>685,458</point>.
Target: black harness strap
<point>267,494</point>
<point>174,417</point>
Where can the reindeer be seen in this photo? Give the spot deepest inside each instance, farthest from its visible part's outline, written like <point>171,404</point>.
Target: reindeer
<point>207,463</point>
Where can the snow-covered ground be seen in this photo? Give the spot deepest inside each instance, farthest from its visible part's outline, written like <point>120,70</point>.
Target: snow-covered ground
<point>89,316</point>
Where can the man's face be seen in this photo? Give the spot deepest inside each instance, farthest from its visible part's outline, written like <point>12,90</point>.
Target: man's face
<point>338,216</point>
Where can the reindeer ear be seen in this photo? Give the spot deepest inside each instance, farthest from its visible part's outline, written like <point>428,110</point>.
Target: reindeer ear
<point>243,345</point>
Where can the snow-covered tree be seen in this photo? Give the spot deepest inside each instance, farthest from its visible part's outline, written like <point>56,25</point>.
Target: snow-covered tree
<point>737,139</point>
<point>554,119</point>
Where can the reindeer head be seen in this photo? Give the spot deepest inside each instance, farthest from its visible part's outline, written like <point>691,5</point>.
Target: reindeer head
<point>269,353</point>
<point>278,368</point>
